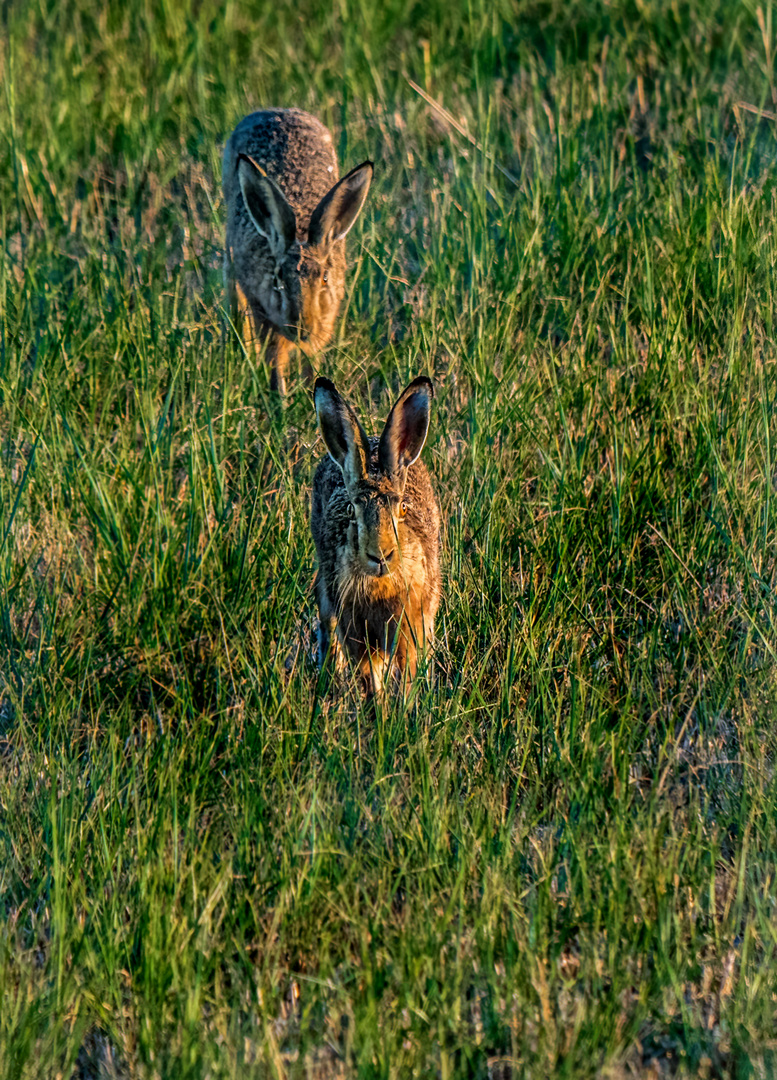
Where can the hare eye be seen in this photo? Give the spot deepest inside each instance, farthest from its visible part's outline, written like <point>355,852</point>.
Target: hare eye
<point>351,511</point>
<point>402,509</point>
<point>325,277</point>
<point>278,285</point>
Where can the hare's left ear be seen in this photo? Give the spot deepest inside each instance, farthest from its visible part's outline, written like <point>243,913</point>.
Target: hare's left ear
<point>404,435</point>
<point>344,436</point>
<point>340,207</point>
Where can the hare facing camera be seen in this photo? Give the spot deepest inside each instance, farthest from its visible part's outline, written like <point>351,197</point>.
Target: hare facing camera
<point>376,527</point>
<point>287,218</point>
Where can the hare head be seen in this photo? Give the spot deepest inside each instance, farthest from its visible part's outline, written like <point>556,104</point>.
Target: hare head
<point>377,506</point>
<point>302,285</point>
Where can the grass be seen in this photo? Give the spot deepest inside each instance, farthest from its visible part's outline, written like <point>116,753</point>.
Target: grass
<point>559,859</point>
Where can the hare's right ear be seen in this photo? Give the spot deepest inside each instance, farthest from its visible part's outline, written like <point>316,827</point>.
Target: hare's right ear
<point>340,207</point>
<point>267,206</point>
<point>344,436</point>
<point>404,435</point>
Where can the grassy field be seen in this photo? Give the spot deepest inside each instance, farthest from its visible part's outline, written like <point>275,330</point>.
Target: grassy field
<point>560,858</point>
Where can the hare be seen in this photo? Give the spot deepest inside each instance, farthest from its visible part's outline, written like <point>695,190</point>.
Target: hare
<point>376,527</point>
<point>286,224</point>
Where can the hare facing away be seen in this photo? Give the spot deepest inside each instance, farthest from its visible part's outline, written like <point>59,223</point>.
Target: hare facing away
<point>376,527</point>
<point>287,218</point>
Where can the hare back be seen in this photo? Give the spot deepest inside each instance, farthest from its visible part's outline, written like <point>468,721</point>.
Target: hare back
<point>296,152</point>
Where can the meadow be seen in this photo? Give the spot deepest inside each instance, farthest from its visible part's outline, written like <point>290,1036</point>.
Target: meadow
<point>558,858</point>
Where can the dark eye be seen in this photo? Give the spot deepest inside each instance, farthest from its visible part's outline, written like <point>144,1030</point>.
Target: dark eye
<point>350,510</point>
<point>325,277</point>
<point>402,509</point>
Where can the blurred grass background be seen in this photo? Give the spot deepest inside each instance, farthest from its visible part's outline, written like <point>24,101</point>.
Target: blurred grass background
<point>559,858</point>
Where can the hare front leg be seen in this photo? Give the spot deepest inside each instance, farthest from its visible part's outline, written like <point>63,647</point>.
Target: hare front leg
<point>405,662</point>
<point>328,644</point>
<point>278,349</point>
<point>372,672</point>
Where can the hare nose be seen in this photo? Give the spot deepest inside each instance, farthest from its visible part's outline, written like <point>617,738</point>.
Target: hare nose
<point>380,562</point>
<point>385,556</point>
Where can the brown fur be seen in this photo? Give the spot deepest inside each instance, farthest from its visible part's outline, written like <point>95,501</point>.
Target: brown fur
<point>374,616</point>
<point>292,289</point>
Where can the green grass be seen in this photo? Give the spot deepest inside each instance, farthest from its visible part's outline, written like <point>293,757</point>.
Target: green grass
<point>559,860</point>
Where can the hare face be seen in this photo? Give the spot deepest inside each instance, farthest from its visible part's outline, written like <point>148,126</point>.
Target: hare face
<point>298,296</point>
<point>378,512</point>
<point>318,297</point>
<point>280,295</point>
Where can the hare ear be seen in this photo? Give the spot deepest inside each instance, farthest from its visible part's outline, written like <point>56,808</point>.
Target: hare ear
<point>344,436</point>
<point>404,435</point>
<point>341,206</point>
<point>265,202</point>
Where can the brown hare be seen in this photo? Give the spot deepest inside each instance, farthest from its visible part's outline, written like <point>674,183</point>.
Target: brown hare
<point>376,527</point>
<point>287,218</point>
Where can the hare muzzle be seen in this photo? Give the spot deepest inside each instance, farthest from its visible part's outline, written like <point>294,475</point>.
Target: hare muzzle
<point>378,538</point>
<point>317,301</point>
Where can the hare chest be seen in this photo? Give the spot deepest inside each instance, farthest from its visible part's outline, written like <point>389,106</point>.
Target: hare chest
<point>385,622</point>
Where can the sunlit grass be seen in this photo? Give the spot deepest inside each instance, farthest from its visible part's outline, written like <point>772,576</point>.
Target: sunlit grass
<point>559,858</point>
